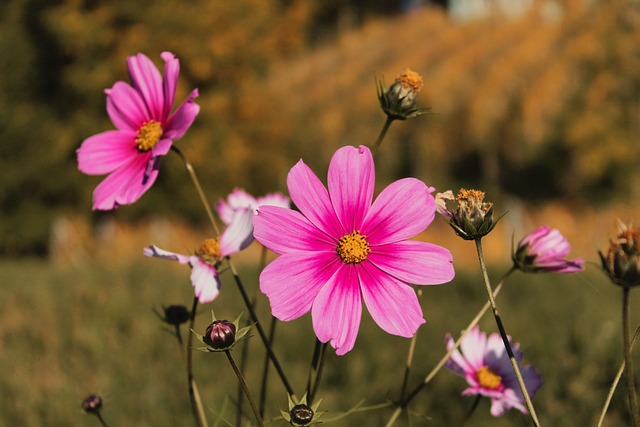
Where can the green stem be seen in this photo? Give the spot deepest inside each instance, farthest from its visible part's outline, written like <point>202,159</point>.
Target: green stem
<point>631,384</point>
<point>471,410</point>
<point>615,382</point>
<point>194,396</point>
<point>318,365</point>
<point>103,423</point>
<point>503,334</point>
<point>245,388</point>
<point>407,368</point>
<point>196,183</point>
<point>381,136</point>
<point>265,369</point>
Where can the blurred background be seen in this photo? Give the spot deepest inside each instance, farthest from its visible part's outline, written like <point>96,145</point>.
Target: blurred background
<point>537,102</point>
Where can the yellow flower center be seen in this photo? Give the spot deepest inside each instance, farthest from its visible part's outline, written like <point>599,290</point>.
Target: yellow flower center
<point>487,378</point>
<point>209,251</point>
<point>353,248</point>
<point>411,80</point>
<point>148,135</point>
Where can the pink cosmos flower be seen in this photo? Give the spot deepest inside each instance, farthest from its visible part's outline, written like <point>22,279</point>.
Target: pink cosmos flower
<point>204,263</point>
<point>485,364</point>
<point>544,250</point>
<point>341,248</point>
<point>146,128</point>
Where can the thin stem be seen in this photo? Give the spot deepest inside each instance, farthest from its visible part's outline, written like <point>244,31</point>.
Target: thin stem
<point>245,388</point>
<point>103,423</point>
<point>194,396</point>
<point>471,410</point>
<point>631,384</point>
<point>260,330</point>
<point>614,384</point>
<point>381,136</point>
<point>318,373</point>
<point>407,368</point>
<point>265,369</point>
<point>503,334</point>
<point>196,183</point>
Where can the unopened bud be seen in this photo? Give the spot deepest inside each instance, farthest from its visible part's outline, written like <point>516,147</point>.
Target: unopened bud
<point>622,260</point>
<point>221,334</point>
<point>301,414</point>
<point>92,404</point>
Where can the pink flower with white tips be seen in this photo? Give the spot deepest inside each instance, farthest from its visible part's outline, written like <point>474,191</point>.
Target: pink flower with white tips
<point>145,131</point>
<point>343,248</point>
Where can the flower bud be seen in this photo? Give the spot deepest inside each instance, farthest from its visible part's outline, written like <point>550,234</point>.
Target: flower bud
<point>220,335</point>
<point>622,260</point>
<point>176,315</point>
<point>472,218</point>
<point>301,414</point>
<point>92,404</point>
<point>399,101</point>
<point>544,250</point>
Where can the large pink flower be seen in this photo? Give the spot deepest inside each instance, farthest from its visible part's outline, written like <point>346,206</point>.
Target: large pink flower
<point>141,112</point>
<point>341,248</point>
<point>485,364</point>
<point>544,250</point>
<point>204,262</point>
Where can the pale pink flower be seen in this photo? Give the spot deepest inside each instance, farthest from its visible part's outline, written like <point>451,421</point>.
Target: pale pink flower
<point>485,364</point>
<point>341,248</point>
<point>146,129</point>
<point>205,260</point>
<point>544,250</point>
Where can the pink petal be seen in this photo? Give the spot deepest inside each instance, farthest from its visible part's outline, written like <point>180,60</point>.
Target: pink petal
<point>182,119</point>
<point>456,362</point>
<point>351,181</point>
<point>156,252</point>
<point>125,185</point>
<point>146,79</point>
<point>126,108</point>
<point>473,348</point>
<point>162,147</point>
<point>394,306</point>
<point>284,230</point>
<point>205,280</point>
<point>274,199</point>
<point>237,199</point>
<point>293,280</point>
<point>106,151</point>
<point>414,262</point>
<point>337,310</point>
<point>310,196</point>
<point>169,81</point>
<point>403,209</point>
<point>239,234</point>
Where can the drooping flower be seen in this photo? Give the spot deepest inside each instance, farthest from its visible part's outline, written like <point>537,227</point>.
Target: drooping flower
<point>205,260</point>
<point>399,100</point>
<point>145,131</point>
<point>341,249</point>
<point>471,217</point>
<point>544,250</point>
<point>485,364</point>
<point>622,260</point>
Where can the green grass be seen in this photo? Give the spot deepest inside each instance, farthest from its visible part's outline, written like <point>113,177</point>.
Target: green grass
<point>65,333</point>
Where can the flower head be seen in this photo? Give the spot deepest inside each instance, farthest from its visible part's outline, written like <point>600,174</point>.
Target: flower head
<point>622,260</point>
<point>485,364</point>
<point>302,413</point>
<point>399,101</point>
<point>222,335</point>
<point>544,250</point>
<point>92,404</point>
<point>472,218</point>
<point>341,249</point>
<point>205,260</point>
<point>145,131</point>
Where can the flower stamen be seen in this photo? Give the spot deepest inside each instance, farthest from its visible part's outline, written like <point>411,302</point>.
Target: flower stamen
<point>353,248</point>
<point>148,135</point>
<point>209,251</point>
<point>488,379</point>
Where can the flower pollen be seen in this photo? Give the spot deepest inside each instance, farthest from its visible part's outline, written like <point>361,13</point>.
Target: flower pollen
<point>209,251</point>
<point>148,135</point>
<point>410,80</point>
<point>488,379</point>
<point>353,248</point>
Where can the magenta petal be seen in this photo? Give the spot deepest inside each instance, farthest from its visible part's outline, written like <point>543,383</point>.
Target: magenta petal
<point>146,79</point>
<point>169,81</point>
<point>351,181</point>
<point>125,105</point>
<point>410,261</point>
<point>337,310</point>
<point>239,234</point>
<point>312,198</point>
<point>106,151</point>
<point>125,185</point>
<point>284,230</point>
<point>393,305</point>
<point>162,147</point>
<point>402,210</point>
<point>156,252</point>
<point>182,119</point>
<point>293,280</point>
<point>205,280</point>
